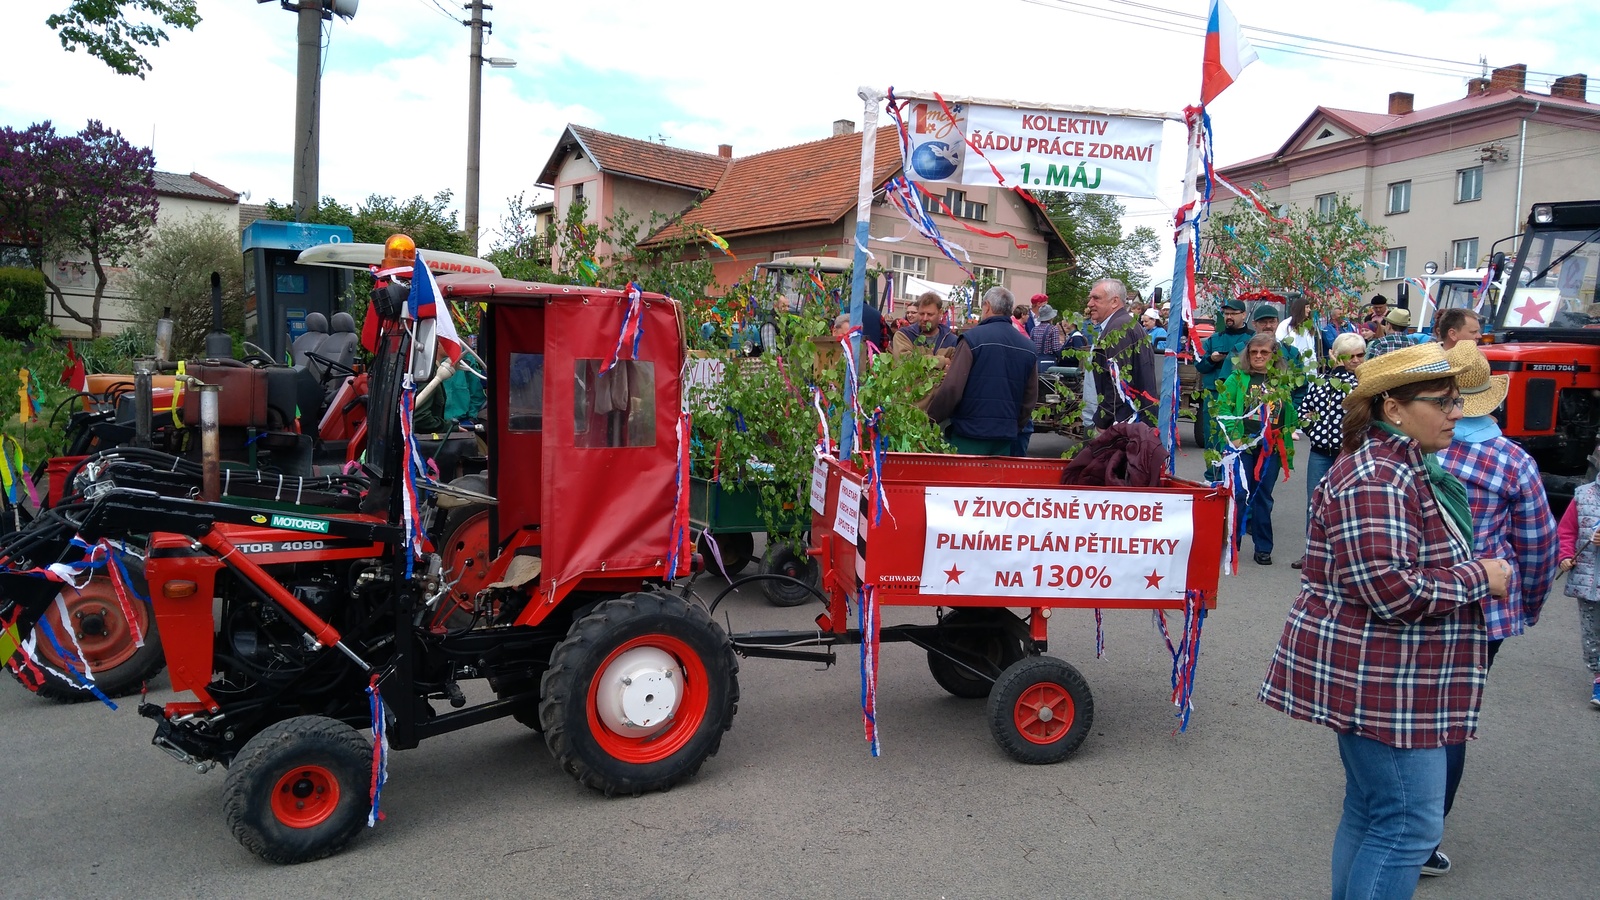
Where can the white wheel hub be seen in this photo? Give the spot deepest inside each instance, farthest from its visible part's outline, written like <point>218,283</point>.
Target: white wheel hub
<point>639,692</point>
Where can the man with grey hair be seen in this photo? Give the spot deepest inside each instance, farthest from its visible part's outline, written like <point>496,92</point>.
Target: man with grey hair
<point>1124,363</point>
<point>992,384</point>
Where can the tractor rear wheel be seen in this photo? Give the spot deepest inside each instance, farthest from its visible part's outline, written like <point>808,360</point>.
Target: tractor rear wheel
<point>782,558</point>
<point>639,693</point>
<point>103,632</point>
<point>464,556</point>
<point>299,790</point>
<point>1001,641</point>
<point>1040,710</point>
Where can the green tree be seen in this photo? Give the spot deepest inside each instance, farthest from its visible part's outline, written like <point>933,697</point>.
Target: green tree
<point>429,222</point>
<point>174,272</point>
<point>1091,224</point>
<point>106,30</point>
<point>1328,258</point>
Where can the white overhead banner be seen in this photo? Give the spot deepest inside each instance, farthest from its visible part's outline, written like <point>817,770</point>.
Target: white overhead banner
<point>1039,149</point>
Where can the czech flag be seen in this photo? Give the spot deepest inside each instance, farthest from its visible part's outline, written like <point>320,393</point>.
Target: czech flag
<point>425,302</point>
<point>1227,52</point>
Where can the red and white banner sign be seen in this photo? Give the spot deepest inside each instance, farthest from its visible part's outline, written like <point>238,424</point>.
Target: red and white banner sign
<point>1082,544</point>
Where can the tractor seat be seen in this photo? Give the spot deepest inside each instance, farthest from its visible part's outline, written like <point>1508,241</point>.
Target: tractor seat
<point>340,345</point>
<point>316,333</point>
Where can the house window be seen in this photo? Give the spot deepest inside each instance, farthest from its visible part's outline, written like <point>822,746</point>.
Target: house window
<point>903,266</point>
<point>780,254</point>
<point>1399,197</point>
<point>957,204</point>
<point>577,192</point>
<point>1464,254</point>
<point>989,276</point>
<point>1326,204</point>
<point>1394,263</point>
<point>1469,184</point>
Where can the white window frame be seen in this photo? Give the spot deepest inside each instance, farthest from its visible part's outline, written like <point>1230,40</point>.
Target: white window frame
<point>1471,177</point>
<point>1394,263</point>
<point>903,264</point>
<point>994,274</point>
<point>1402,190</point>
<point>1464,253</point>
<point>1326,204</point>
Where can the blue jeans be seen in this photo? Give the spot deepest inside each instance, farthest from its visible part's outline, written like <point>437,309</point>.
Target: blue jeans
<point>1260,509</point>
<point>1393,818</point>
<point>1317,466</point>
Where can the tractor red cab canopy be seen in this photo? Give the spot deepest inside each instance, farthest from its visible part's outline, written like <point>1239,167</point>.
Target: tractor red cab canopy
<point>587,461</point>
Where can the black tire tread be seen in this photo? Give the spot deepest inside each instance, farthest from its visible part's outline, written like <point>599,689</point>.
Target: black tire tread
<point>783,593</point>
<point>957,681</point>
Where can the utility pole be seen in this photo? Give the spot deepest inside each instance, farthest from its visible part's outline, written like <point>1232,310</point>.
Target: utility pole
<point>469,215</point>
<point>308,109</point>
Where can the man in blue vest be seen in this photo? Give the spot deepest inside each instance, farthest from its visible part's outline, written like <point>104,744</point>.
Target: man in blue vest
<point>992,384</point>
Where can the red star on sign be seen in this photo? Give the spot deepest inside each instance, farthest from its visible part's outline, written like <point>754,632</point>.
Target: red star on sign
<point>1153,580</point>
<point>952,574</point>
<point>1531,311</point>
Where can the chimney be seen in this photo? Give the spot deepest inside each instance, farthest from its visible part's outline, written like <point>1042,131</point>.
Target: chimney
<point>1572,87</point>
<point>1400,103</point>
<point>725,151</point>
<point>843,126</point>
<point>1476,86</point>
<point>1509,78</point>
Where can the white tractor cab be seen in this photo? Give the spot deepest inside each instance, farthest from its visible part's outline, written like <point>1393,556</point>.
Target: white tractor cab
<point>364,256</point>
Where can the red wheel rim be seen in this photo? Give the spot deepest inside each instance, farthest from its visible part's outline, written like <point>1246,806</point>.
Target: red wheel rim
<point>465,557</point>
<point>685,722</point>
<point>1044,713</point>
<point>305,797</point>
<point>99,625</point>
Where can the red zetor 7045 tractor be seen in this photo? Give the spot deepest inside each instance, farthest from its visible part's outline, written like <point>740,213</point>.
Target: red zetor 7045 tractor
<point>1547,338</point>
<point>574,634</point>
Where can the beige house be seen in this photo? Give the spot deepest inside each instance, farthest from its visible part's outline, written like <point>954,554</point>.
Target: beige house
<point>799,201</point>
<point>179,197</point>
<point>1447,181</point>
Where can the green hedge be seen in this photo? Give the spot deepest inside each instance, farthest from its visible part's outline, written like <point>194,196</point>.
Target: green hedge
<point>22,302</point>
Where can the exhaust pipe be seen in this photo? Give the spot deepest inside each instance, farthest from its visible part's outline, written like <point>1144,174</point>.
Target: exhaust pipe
<point>218,344</point>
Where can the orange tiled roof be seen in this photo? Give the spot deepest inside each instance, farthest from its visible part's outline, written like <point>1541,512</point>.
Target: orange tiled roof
<point>620,155</point>
<point>792,187</point>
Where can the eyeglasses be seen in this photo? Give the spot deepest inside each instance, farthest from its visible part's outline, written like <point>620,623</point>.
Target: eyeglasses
<point>1445,404</point>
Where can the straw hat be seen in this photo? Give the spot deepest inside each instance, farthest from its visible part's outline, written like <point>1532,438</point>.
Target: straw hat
<point>1482,391</point>
<point>1422,362</point>
<point>1399,317</point>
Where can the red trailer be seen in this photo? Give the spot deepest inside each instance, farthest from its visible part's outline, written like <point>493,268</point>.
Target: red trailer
<point>979,537</point>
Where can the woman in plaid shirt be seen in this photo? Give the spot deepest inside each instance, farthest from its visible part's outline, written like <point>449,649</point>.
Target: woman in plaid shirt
<point>1386,643</point>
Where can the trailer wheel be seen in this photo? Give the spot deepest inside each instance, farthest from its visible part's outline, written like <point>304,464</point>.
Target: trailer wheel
<point>736,548</point>
<point>1040,710</point>
<point>995,648</point>
<point>782,558</point>
<point>298,791</point>
<point>639,694</point>
<point>106,637</point>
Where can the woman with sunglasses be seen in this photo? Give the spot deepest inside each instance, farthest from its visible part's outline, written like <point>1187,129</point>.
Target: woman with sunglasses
<point>1385,643</point>
<point>1322,413</point>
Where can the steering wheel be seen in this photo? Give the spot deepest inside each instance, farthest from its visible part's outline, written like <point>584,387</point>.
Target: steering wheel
<point>259,361</point>
<point>331,366</point>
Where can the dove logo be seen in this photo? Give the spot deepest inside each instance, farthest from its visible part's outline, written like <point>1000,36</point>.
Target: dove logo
<point>935,160</point>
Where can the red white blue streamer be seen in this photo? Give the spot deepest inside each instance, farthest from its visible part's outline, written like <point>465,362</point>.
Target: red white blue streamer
<point>413,469</point>
<point>877,449</point>
<point>632,330</point>
<point>868,612</point>
<point>1186,659</point>
<point>1099,636</point>
<point>680,477</point>
<point>902,195</point>
<point>380,750</point>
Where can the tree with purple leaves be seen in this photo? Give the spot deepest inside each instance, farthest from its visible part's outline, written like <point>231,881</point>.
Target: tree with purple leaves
<point>87,198</point>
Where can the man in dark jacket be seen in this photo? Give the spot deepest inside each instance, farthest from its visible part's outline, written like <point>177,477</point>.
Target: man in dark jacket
<point>992,384</point>
<point>1124,364</point>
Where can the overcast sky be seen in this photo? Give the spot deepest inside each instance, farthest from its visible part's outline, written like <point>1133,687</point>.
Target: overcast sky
<point>756,75</point>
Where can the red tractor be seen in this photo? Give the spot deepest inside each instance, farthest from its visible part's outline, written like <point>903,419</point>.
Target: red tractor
<point>287,625</point>
<point>1546,336</point>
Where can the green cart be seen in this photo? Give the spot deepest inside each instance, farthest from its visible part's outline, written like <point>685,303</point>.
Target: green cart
<point>730,515</point>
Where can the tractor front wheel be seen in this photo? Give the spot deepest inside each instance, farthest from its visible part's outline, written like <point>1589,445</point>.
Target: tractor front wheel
<point>639,693</point>
<point>1040,710</point>
<point>97,624</point>
<point>299,790</point>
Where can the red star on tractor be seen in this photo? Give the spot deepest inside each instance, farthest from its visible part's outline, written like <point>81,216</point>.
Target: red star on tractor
<point>1153,580</point>
<point>952,574</point>
<point>1531,311</point>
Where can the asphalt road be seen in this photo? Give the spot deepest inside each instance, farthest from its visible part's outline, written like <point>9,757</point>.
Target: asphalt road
<point>1243,805</point>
